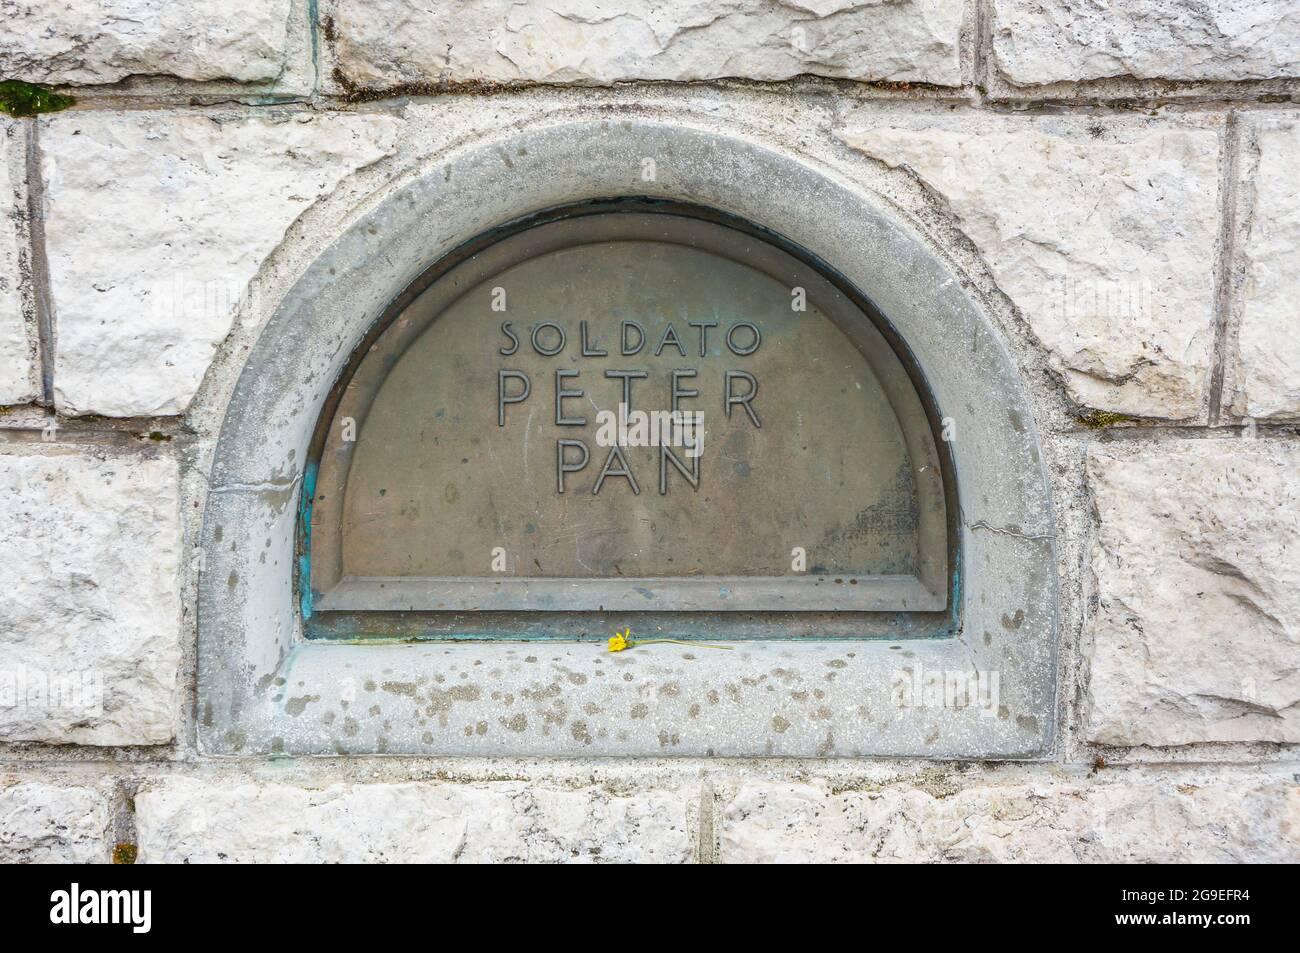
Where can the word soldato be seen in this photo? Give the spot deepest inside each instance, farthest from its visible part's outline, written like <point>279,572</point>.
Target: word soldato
<point>664,429</point>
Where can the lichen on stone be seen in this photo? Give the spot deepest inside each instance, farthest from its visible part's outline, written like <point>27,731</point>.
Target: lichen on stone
<point>1101,419</point>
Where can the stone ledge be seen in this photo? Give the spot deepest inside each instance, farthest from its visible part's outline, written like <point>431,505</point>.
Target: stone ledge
<point>189,820</point>
<point>1173,819</point>
<point>50,824</point>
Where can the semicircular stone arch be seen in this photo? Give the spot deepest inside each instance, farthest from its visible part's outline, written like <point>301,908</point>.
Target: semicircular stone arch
<point>299,535</point>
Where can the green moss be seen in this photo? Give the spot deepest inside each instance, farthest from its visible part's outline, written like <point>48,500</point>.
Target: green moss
<point>125,853</point>
<point>1100,419</point>
<point>20,99</point>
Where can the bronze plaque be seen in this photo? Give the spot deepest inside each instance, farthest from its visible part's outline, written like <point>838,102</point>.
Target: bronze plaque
<point>622,411</point>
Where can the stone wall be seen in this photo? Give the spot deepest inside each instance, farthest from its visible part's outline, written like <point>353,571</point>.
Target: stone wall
<point>1120,187</point>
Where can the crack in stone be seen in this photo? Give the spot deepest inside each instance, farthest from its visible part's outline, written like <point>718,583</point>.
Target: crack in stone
<point>981,524</point>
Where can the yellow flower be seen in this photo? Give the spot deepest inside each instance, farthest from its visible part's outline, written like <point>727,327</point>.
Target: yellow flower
<point>623,640</point>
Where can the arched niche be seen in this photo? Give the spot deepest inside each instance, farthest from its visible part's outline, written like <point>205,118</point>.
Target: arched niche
<point>306,613</point>
<point>470,423</point>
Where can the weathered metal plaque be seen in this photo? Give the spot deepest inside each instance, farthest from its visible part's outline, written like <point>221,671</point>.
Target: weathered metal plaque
<point>623,411</point>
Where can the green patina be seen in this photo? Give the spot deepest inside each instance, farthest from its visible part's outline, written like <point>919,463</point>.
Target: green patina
<point>20,99</point>
<point>304,539</point>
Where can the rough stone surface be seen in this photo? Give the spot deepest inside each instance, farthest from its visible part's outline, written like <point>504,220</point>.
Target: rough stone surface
<point>156,223</point>
<point>89,622</point>
<point>390,42</point>
<point>191,820</point>
<point>1268,341</point>
<point>1036,42</point>
<point>103,41</point>
<point>1102,234</point>
<point>17,373</point>
<point>1196,633</point>
<point>1052,820</point>
<point>48,824</point>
